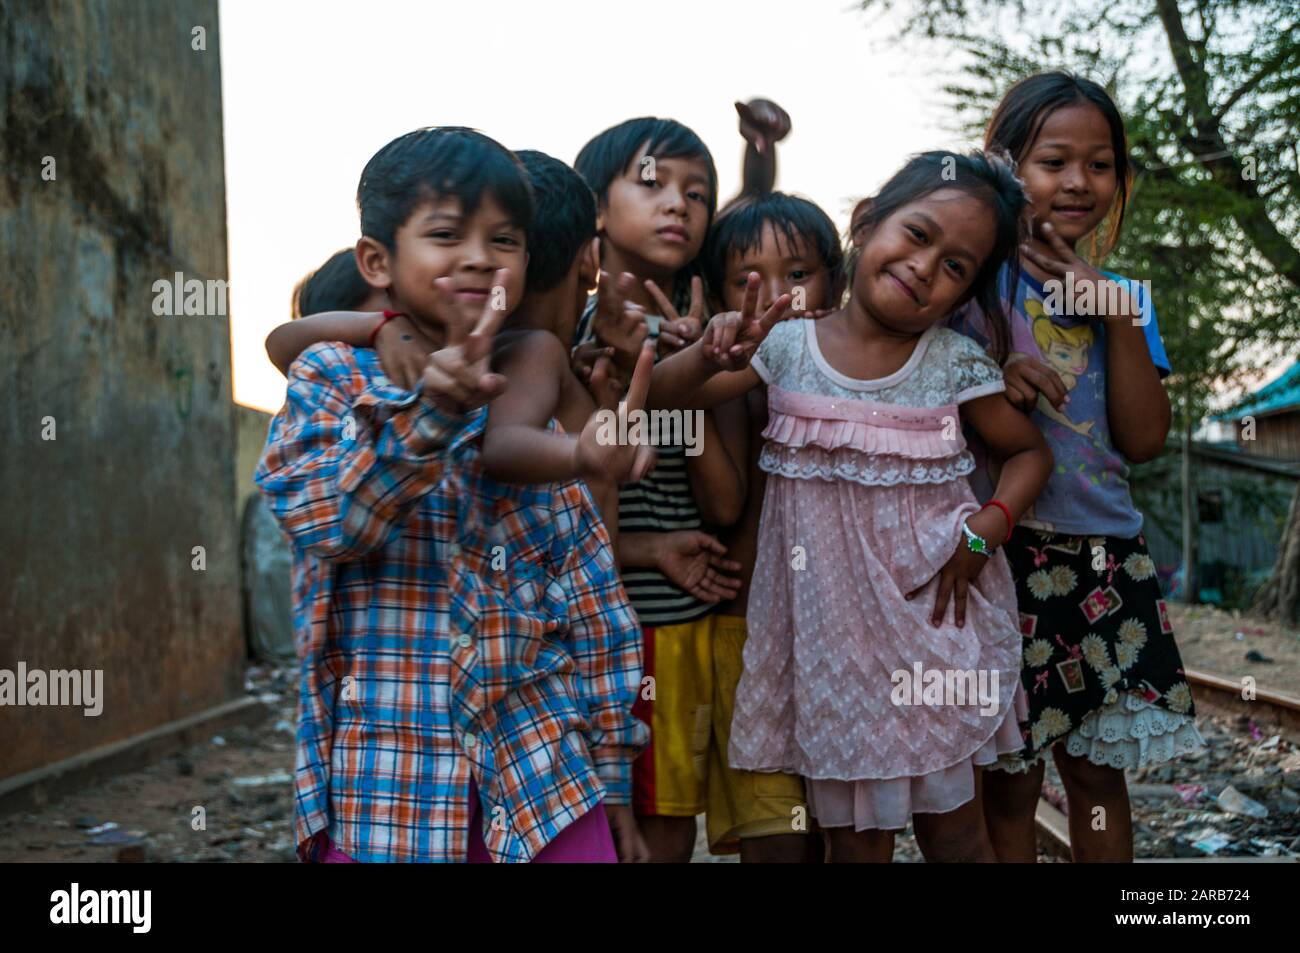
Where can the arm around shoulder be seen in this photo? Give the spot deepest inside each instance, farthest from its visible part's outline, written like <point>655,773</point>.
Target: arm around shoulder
<point>342,469</point>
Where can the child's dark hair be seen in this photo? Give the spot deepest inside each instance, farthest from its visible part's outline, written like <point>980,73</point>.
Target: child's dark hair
<point>739,227</point>
<point>564,219</point>
<point>986,176</point>
<point>608,155</point>
<point>336,285</point>
<point>447,160</point>
<point>1019,118</point>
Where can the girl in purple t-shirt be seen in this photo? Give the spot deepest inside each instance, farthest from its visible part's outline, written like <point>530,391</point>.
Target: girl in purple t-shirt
<point>1103,675</point>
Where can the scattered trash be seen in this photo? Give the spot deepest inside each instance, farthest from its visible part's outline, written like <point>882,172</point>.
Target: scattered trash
<point>1234,802</point>
<point>285,725</point>
<point>1210,841</point>
<point>85,822</point>
<point>116,838</point>
<point>261,780</point>
<point>1239,636</point>
<point>218,741</point>
<point>1189,792</point>
<point>1153,790</point>
<point>1268,848</point>
<point>1253,656</point>
<point>101,829</point>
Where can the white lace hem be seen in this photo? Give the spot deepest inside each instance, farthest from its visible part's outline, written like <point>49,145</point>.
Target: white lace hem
<point>846,463</point>
<point>1130,732</point>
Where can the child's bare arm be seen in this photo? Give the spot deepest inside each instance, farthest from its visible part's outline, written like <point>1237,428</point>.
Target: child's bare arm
<point>718,473</point>
<point>1027,462</point>
<point>517,447</point>
<point>290,339</point>
<point>690,377</point>
<point>403,351</point>
<point>1137,407</point>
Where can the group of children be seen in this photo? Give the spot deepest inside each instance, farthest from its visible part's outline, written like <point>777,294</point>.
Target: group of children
<point>521,640</point>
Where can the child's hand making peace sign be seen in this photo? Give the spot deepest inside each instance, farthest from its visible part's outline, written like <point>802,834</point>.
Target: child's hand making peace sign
<point>629,463</point>
<point>457,377</point>
<point>619,323</point>
<point>731,339</point>
<point>677,331</point>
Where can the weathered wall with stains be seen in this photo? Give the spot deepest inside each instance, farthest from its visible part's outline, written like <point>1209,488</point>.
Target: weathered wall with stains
<point>99,524</point>
<point>251,426</point>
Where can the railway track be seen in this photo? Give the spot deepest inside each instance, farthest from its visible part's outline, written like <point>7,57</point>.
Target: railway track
<point>1278,711</point>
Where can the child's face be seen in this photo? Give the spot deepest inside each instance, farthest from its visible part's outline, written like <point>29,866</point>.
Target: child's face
<point>1069,171</point>
<point>783,267</point>
<point>657,213</point>
<point>915,266</point>
<point>439,241</point>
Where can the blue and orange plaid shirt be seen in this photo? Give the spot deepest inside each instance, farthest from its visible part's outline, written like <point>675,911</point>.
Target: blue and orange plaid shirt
<point>449,627</point>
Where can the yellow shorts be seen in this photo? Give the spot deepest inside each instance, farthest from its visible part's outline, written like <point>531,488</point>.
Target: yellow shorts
<point>668,778</point>
<point>743,804</point>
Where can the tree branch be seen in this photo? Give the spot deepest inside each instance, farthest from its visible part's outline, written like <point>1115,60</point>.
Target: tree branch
<point>1264,72</point>
<point>1251,215</point>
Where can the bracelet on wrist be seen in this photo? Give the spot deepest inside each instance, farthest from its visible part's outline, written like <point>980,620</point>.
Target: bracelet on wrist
<point>974,541</point>
<point>1011,525</point>
<point>388,316</point>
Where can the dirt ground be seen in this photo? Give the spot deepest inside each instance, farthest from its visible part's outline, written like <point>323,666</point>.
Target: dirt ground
<point>229,799</point>
<point>1215,641</point>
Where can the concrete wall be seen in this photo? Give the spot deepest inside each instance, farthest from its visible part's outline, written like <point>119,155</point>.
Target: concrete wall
<point>251,426</point>
<point>98,525</point>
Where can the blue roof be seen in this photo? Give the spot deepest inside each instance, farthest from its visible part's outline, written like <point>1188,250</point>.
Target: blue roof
<point>1277,395</point>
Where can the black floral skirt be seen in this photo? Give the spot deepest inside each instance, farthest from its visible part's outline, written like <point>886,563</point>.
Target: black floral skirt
<point>1095,625</point>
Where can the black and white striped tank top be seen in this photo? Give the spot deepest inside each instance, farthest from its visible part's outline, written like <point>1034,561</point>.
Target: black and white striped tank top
<point>661,503</point>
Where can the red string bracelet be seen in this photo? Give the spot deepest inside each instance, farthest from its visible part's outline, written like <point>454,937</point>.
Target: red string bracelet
<point>388,316</point>
<point>1003,507</point>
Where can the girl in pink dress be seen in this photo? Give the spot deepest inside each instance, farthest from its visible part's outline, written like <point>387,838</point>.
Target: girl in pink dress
<point>883,655</point>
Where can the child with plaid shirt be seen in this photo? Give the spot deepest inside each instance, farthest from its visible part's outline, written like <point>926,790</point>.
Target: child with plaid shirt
<point>469,659</point>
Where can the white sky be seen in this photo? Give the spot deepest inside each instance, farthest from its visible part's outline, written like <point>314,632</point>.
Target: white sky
<point>312,89</point>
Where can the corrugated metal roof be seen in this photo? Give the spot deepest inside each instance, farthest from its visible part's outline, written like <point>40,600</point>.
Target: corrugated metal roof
<point>1280,394</point>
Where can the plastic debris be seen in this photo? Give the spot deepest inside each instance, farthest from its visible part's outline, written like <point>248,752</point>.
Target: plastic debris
<point>1210,841</point>
<point>261,780</point>
<point>1234,802</point>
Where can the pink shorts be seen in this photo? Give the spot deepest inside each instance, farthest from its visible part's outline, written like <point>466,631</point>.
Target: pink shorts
<point>586,841</point>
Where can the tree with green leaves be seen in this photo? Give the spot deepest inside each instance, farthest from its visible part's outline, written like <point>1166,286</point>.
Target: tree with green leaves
<point>1210,91</point>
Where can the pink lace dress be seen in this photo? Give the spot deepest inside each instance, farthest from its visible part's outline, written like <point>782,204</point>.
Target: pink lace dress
<point>845,682</point>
